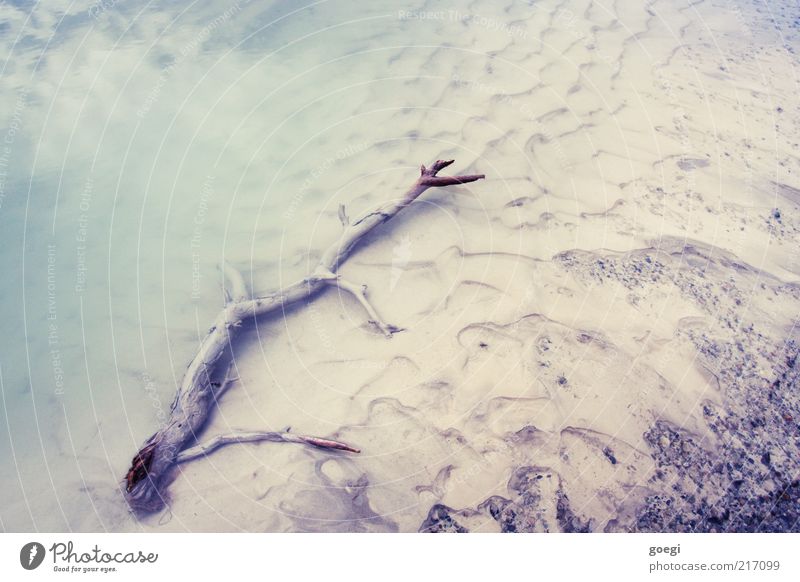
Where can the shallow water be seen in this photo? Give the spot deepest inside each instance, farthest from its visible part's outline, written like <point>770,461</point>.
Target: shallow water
<point>623,280</point>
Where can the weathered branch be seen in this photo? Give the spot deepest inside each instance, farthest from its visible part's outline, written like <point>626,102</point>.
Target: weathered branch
<point>150,470</point>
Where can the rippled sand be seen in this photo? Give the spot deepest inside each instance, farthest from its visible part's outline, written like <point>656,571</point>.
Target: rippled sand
<point>599,337</point>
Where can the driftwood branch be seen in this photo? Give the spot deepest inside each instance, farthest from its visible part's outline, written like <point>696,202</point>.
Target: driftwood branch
<point>149,475</point>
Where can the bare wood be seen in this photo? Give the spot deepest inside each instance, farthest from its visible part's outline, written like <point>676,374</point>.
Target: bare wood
<point>236,288</point>
<point>149,475</point>
<point>221,440</point>
<point>360,293</point>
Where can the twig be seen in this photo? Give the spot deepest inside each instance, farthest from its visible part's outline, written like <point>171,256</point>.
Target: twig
<point>256,437</point>
<point>360,293</point>
<point>236,289</point>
